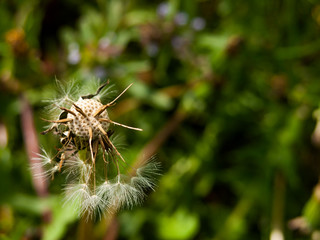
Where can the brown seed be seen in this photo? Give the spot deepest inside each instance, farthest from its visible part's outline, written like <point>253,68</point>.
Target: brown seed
<point>83,109</point>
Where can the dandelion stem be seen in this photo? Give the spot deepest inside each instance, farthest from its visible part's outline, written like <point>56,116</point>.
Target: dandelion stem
<point>94,178</point>
<point>103,156</point>
<point>118,168</point>
<point>83,157</point>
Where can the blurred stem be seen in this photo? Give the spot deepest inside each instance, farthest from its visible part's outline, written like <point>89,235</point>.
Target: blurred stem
<point>299,51</point>
<point>233,226</point>
<point>113,229</point>
<point>278,208</point>
<point>83,154</point>
<point>85,228</point>
<point>24,12</point>
<point>152,147</point>
<point>32,147</point>
<point>125,106</point>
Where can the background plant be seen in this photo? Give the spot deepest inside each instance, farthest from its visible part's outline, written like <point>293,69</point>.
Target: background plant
<point>227,94</point>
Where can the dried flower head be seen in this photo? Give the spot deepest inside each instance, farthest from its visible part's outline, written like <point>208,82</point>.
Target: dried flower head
<point>83,126</point>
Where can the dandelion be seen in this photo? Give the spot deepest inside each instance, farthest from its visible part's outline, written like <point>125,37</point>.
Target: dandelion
<point>120,193</point>
<point>45,161</point>
<point>145,176</point>
<point>82,122</point>
<point>94,205</point>
<point>75,168</point>
<point>76,194</point>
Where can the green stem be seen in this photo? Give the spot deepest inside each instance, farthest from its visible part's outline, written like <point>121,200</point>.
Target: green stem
<point>278,207</point>
<point>85,227</point>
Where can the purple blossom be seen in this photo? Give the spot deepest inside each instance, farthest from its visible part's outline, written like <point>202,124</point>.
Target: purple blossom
<point>178,42</point>
<point>100,72</point>
<point>198,23</point>
<point>74,55</point>
<point>152,49</point>
<point>104,42</point>
<point>163,9</point>
<point>181,18</point>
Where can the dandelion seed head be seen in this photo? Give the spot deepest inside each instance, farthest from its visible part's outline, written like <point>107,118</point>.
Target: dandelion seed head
<point>151,169</point>
<point>80,125</point>
<point>90,87</point>
<point>124,195</point>
<point>43,158</point>
<point>77,169</point>
<point>77,193</point>
<point>92,206</point>
<point>119,192</point>
<point>104,189</point>
<point>67,92</point>
<point>46,162</point>
<point>146,176</point>
<point>49,172</point>
<point>118,141</point>
<point>106,93</point>
<point>66,95</point>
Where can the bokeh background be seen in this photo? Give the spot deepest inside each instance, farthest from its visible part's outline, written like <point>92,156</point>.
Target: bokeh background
<point>227,93</point>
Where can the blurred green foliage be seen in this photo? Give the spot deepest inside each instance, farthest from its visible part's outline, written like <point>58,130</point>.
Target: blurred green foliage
<point>226,91</point>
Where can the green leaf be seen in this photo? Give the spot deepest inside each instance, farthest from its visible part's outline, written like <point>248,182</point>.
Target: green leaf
<point>180,225</point>
<point>63,215</point>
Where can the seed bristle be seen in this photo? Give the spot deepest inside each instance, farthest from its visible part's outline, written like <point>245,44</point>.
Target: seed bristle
<point>67,110</point>
<point>65,120</point>
<point>119,124</point>
<point>79,110</point>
